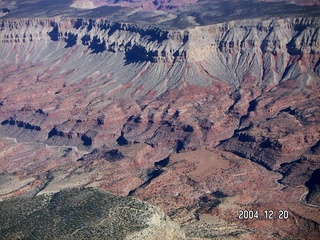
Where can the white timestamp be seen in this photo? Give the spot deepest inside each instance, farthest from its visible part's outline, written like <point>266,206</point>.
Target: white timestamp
<point>263,215</point>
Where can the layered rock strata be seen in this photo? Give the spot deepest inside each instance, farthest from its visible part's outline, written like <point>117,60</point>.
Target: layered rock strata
<point>247,61</point>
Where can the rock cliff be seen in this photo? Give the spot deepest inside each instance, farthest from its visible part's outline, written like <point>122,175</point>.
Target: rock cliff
<point>267,44</point>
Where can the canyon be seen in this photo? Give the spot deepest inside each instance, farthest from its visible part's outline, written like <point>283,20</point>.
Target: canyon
<point>201,120</point>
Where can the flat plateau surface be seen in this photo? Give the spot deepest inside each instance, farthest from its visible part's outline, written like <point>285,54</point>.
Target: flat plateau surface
<point>173,14</point>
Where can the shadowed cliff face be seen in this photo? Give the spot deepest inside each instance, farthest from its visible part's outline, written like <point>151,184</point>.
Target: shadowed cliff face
<point>313,185</point>
<point>230,43</point>
<point>100,103</point>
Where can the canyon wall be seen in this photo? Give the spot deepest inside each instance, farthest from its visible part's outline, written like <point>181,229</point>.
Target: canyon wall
<point>248,58</point>
<point>294,36</point>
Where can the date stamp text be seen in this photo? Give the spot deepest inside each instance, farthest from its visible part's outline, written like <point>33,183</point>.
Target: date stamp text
<point>263,215</point>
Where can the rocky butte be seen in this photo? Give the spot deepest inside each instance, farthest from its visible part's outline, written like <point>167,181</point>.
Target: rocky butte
<point>204,109</point>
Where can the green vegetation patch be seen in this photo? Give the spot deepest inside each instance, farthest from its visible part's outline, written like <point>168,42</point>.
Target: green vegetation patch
<point>73,214</point>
